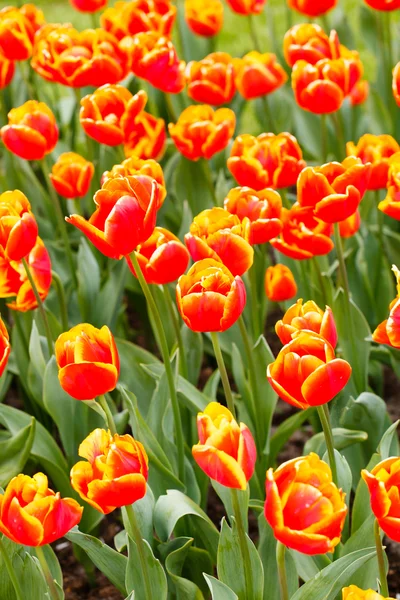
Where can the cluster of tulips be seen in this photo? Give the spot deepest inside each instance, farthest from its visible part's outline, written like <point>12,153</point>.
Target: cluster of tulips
<point>193,215</point>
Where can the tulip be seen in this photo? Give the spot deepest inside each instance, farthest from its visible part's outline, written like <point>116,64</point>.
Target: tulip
<point>384,486</point>
<point>359,93</point>
<point>377,150</point>
<point>5,347</point>
<point>201,132</point>
<point>396,83</point>
<point>32,132</point>
<point>88,6</point>
<point>354,593</point>
<point>32,514</point>
<point>309,42</point>
<point>114,473</point>
<point>303,506</point>
<point>226,451</point>
<point>279,283</point>
<point>310,8</point>
<point>306,372</point>
<point>18,227</point>
<point>258,74</point>
<point>350,226</point>
<point>138,166</point>
<point>259,212</point>
<point>384,5</point>
<point>204,17</point>
<point>388,332</point>
<point>137,16</point>
<point>317,88</point>
<point>88,361</point>
<point>7,70</point>
<point>71,175</point>
<point>268,160</point>
<point>215,233</point>
<point>247,7</point>
<point>17,30</point>
<point>334,190</point>
<point>307,317</point>
<point>391,204</point>
<point>125,215</point>
<point>147,138</point>
<point>162,258</point>
<point>209,298</point>
<point>92,57</point>
<point>211,79</point>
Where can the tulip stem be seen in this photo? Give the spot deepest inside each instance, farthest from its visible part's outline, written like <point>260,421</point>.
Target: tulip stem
<point>323,413</point>
<point>280,561</point>
<point>167,364</point>
<point>244,548</point>
<point>324,140</point>
<point>208,177</point>
<point>320,279</point>
<point>109,417</point>
<point>268,114</point>
<point>253,33</point>
<point>135,534</point>
<point>338,124</point>
<point>253,380</point>
<point>170,108</point>
<point>61,299</point>
<point>381,561</point>
<point>223,373</point>
<point>11,572</point>
<point>175,322</point>
<point>47,573</point>
<point>40,307</point>
<point>257,329</point>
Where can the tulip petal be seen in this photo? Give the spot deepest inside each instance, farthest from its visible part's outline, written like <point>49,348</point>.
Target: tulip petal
<point>85,381</point>
<point>219,466</point>
<point>306,543</point>
<point>24,528</point>
<point>96,236</point>
<point>326,382</point>
<point>111,494</point>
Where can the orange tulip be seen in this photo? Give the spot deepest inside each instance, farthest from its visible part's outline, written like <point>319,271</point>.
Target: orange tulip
<point>114,473</point>
<point>92,57</point>
<point>209,297</point>
<point>384,5</point>
<point>138,166</point>
<point>334,190</point>
<point>226,451</point>
<point>211,79</point>
<point>88,6</point>
<point>17,30</point>
<point>310,8</point>
<point>147,137</point>
<point>384,487</point>
<point>354,593</point>
<point>317,88</point>
<point>204,17</point>
<point>306,371</point>
<point>32,514</point>
<point>396,83</point>
<point>71,175</point>
<point>303,506</point>
<point>303,235</point>
<point>201,132</point>
<point>31,132</point>
<point>88,361</point>
<point>154,59</point>
<point>375,149</point>
<point>215,233</point>
<point>137,16</point>
<point>246,7</point>
<point>258,74</point>
<point>359,93</point>
<point>5,347</point>
<point>18,227</point>
<point>279,283</point>
<point>268,160</point>
<point>259,212</point>
<point>7,70</point>
<point>162,258</point>
<point>388,332</point>
<point>125,215</point>
<point>391,204</point>
<point>307,317</point>
<point>309,42</point>
<point>350,226</point>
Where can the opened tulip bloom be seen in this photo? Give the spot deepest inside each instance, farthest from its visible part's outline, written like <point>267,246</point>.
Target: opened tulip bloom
<point>114,473</point>
<point>209,297</point>
<point>5,347</point>
<point>377,150</point>
<point>384,5</point>
<point>71,175</point>
<point>355,593</point>
<point>147,137</point>
<point>216,233</point>
<point>18,26</point>
<point>138,166</point>
<point>246,7</point>
<point>31,132</point>
<point>268,160</point>
<point>350,226</point>
<point>279,283</point>
<point>311,8</point>
<point>226,451</point>
<point>360,92</point>
<point>204,17</point>
<point>7,70</point>
<point>309,317</point>
<point>391,204</point>
<point>211,79</point>
<point>137,16</point>
<point>162,258</point>
<point>388,332</point>
<point>309,42</point>
<point>307,373</point>
<point>303,506</point>
<point>384,487</point>
<point>88,361</point>
<point>258,74</point>
<point>32,514</point>
<point>18,227</point>
<point>88,6</point>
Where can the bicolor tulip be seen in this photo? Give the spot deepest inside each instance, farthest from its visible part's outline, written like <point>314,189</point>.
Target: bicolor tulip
<point>388,332</point>
<point>71,175</point>
<point>376,150</point>
<point>384,487</point>
<point>391,204</point>
<point>310,8</point>
<point>18,227</point>
<point>307,317</point>
<point>138,166</point>
<point>5,347</point>
<point>18,26</point>
<point>384,5</point>
<point>359,93</point>
<point>279,283</point>
<point>204,18</point>
<point>246,7</point>
<point>7,70</point>
<point>258,74</point>
<point>211,79</point>
<point>137,16</point>
<point>309,42</point>
<point>355,593</point>
<point>350,226</point>
<point>147,137</point>
<point>88,6</point>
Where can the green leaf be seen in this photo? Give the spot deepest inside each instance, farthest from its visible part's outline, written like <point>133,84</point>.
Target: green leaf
<point>191,184</point>
<point>211,387</point>
<point>135,579</point>
<point>285,430</point>
<point>219,591</point>
<point>309,566</point>
<point>88,274</point>
<point>367,574</point>
<point>193,345</point>
<point>109,300</point>
<point>389,438</point>
<point>15,451</point>
<point>267,398</point>
<point>27,570</point>
<point>342,439</point>
<point>361,506</point>
<point>132,374</point>
<point>175,554</point>
<point>225,495</point>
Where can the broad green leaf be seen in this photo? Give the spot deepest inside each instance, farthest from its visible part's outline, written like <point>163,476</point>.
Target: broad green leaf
<point>132,374</point>
<point>219,591</point>
<point>267,398</point>
<point>27,570</point>
<point>342,439</point>
<point>361,506</point>
<point>309,566</point>
<point>211,387</point>
<point>88,274</point>
<point>284,431</point>
<point>15,451</point>
<point>368,574</point>
<point>135,579</point>
<point>389,439</point>
<point>174,553</point>
<point>192,184</point>
<point>225,495</point>
<point>193,348</point>
<point>109,300</point>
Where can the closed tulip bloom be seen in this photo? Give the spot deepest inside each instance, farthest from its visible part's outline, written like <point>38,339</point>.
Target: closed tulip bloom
<point>226,451</point>
<point>162,258</point>
<point>201,132</point>
<point>350,226</point>
<point>268,160</point>
<point>391,204</point>
<point>32,514</point>
<point>204,17</point>
<point>71,175</point>
<point>138,166</point>
<point>17,30</point>
<point>306,371</point>
<point>209,297</point>
<point>125,216</point>
<point>377,150</point>
<point>5,347</point>
<point>211,79</point>
<point>303,506</point>
<point>385,5</point>
<point>279,283</point>
<point>388,332</point>
<point>88,6</point>
<point>130,18</point>
<point>355,593</point>
<point>247,7</point>
<point>310,8</point>
<point>147,137</point>
<point>258,74</point>
<point>317,87</point>
<point>7,70</point>
<point>114,473</point>
<point>307,317</point>
<point>31,132</point>
<point>215,233</point>
<point>334,190</point>
<point>309,42</point>
<point>359,93</point>
<point>259,212</point>
<point>18,227</point>
<point>88,361</point>
<point>384,487</point>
